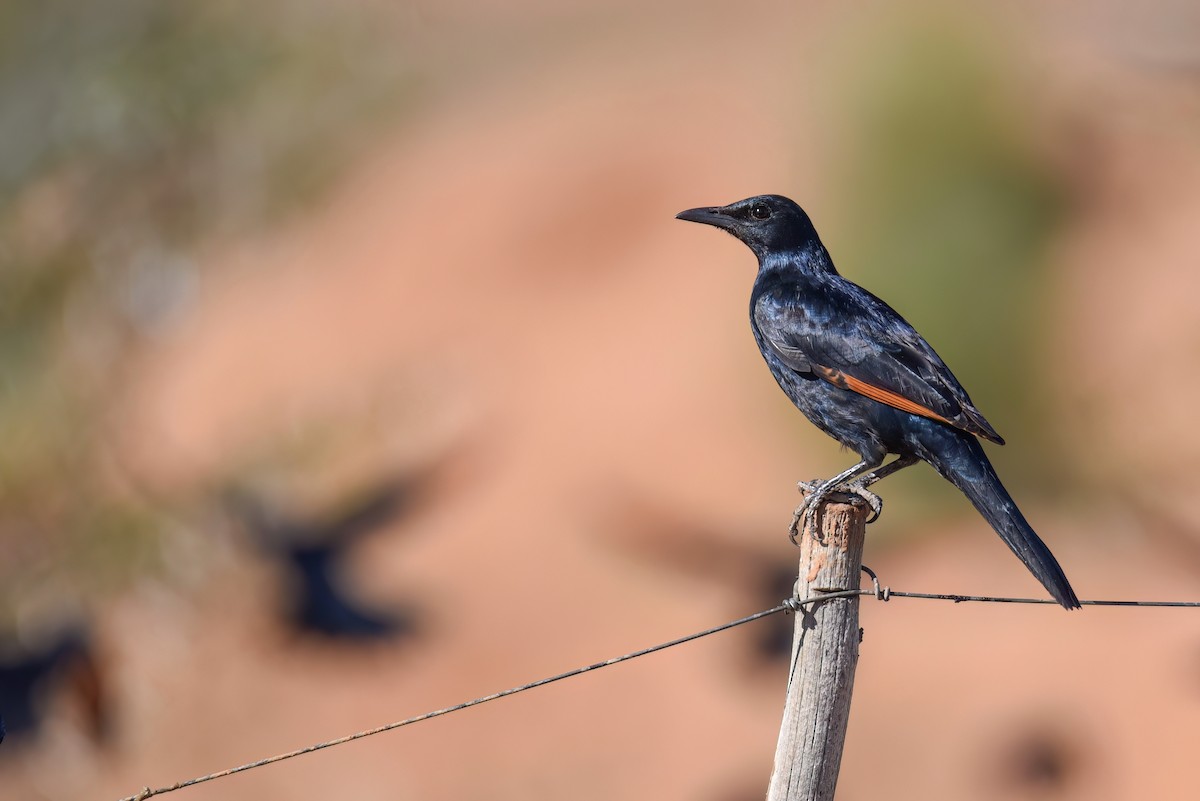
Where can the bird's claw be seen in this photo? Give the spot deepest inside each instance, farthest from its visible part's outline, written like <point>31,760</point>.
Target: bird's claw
<point>797,517</point>
<point>806,513</point>
<point>873,500</point>
<point>794,528</point>
<point>809,486</point>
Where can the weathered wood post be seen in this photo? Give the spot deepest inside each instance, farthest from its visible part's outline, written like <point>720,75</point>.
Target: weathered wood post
<point>824,655</point>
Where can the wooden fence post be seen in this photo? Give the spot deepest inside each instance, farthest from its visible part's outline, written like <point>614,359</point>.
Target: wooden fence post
<point>824,655</point>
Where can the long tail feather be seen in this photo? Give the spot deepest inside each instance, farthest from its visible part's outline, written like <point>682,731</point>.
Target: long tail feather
<point>962,462</point>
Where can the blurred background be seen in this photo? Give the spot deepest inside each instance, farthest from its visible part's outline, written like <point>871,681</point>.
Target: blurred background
<point>352,366</point>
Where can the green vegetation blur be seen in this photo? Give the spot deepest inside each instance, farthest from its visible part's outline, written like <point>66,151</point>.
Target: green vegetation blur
<point>132,131</point>
<point>944,208</point>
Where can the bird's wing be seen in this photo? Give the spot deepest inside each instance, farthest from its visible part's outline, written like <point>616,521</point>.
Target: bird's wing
<point>860,344</point>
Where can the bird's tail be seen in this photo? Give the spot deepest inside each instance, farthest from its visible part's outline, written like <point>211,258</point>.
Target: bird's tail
<point>966,466</point>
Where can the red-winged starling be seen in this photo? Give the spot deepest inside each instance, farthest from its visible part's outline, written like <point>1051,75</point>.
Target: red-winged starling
<point>863,375</point>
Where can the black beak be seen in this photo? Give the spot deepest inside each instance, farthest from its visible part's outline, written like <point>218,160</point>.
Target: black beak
<point>711,215</point>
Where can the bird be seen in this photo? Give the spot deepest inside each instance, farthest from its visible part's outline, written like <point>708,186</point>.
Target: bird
<point>863,375</point>
<point>312,551</point>
<point>67,663</point>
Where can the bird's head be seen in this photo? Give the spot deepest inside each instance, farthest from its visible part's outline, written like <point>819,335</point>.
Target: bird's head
<point>766,223</point>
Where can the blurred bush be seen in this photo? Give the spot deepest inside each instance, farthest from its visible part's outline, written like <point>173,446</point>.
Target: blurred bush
<point>130,132</point>
<point>945,209</point>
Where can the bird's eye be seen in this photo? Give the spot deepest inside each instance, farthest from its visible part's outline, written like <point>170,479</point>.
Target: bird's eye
<point>760,211</point>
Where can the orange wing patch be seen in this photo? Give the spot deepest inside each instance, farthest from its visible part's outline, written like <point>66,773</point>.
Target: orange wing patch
<point>840,379</point>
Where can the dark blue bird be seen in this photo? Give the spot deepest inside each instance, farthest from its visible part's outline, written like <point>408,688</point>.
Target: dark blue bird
<point>66,664</point>
<point>313,551</point>
<point>863,375</point>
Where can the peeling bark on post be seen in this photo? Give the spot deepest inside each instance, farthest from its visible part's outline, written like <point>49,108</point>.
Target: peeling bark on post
<point>824,655</point>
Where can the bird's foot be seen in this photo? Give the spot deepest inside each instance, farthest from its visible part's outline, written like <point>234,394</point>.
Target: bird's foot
<point>873,500</point>
<point>808,513</point>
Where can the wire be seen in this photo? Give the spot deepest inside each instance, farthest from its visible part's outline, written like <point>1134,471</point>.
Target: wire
<point>148,792</point>
<point>994,600</point>
<point>886,594</point>
<point>790,605</point>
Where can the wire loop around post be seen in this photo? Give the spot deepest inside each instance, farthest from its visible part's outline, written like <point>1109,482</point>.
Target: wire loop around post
<point>881,593</point>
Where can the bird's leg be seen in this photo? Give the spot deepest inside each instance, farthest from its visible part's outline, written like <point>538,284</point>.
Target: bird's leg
<point>859,486</point>
<point>883,472</point>
<point>817,492</point>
